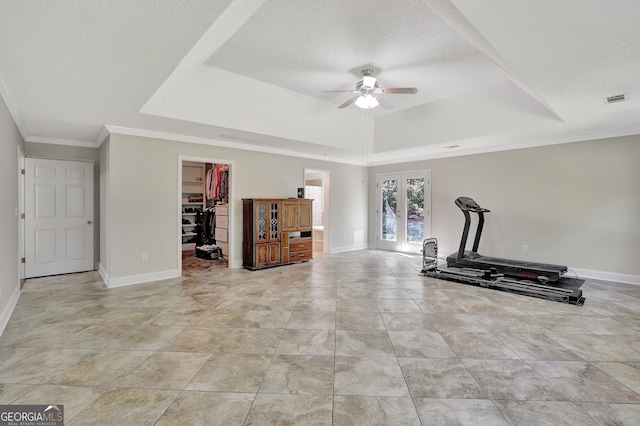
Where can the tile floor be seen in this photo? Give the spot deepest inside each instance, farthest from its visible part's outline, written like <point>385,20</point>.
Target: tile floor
<point>351,339</point>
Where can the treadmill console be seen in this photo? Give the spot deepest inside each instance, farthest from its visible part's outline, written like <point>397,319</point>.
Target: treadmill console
<point>468,204</point>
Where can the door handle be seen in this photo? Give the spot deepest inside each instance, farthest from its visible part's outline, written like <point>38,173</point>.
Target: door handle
<point>89,222</point>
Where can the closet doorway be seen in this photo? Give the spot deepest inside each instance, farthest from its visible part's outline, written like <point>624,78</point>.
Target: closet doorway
<point>316,187</point>
<point>204,212</point>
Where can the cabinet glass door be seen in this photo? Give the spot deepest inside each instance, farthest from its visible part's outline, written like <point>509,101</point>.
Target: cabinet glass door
<point>261,234</point>
<point>273,222</point>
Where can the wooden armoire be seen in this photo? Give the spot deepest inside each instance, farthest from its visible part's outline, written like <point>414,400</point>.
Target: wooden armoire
<point>276,231</point>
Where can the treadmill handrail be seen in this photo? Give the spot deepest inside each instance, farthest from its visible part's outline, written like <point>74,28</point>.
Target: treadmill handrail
<point>469,204</point>
<point>466,205</point>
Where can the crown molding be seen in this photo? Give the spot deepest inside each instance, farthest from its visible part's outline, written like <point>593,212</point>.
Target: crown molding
<point>222,143</point>
<point>61,141</point>
<point>104,134</point>
<point>414,154</point>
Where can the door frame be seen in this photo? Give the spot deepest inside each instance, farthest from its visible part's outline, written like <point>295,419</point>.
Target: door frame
<point>23,200</point>
<point>401,245</point>
<point>21,220</point>
<point>232,222</point>
<point>326,222</point>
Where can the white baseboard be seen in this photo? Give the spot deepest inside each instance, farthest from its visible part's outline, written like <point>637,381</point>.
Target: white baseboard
<point>173,273</point>
<point>5,315</point>
<point>138,279</point>
<point>587,274</point>
<point>344,249</point>
<point>103,274</point>
<point>605,276</point>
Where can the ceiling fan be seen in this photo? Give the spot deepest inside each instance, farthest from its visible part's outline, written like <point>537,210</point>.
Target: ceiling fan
<point>368,93</point>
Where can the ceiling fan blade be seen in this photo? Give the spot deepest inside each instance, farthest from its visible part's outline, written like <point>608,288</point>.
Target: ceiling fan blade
<point>348,102</point>
<point>400,90</point>
<point>337,91</point>
<point>383,102</point>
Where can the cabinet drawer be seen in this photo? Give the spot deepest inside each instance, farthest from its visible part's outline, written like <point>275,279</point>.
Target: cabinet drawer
<point>222,221</point>
<point>295,256</point>
<point>222,235</point>
<point>224,247</point>
<point>296,245</point>
<point>222,210</point>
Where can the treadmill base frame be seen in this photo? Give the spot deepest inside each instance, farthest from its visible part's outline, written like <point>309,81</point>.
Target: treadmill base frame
<point>494,280</point>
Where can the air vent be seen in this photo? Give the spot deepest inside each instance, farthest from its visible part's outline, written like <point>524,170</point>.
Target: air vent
<point>616,98</point>
<point>452,146</point>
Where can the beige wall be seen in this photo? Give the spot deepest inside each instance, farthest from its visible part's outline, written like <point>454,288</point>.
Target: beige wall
<point>10,140</point>
<point>142,205</point>
<point>574,204</point>
<point>66,152</point>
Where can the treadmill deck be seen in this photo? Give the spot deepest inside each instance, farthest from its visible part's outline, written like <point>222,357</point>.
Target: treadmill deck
<point>507,266</point>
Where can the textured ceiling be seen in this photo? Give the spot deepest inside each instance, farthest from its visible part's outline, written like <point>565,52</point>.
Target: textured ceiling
<point>491,74</point>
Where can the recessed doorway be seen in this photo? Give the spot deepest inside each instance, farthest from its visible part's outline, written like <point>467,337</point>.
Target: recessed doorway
<point>316,187</point>
<point>204,212</point>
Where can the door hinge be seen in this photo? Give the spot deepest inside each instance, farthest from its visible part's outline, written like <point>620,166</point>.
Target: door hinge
<point>22,171</point>
<point>22,216</point>
<point>23,260</point>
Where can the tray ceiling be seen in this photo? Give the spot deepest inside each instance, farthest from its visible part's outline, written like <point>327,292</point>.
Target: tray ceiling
<point>491,74</point>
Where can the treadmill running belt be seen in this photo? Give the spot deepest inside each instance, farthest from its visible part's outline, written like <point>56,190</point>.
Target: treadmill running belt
<point>519,264</point>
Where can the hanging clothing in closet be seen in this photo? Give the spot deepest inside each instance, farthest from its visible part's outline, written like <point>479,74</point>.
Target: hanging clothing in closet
<point>218,182</point>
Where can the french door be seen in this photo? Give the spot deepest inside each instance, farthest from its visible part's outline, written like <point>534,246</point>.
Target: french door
<point>403,211</point>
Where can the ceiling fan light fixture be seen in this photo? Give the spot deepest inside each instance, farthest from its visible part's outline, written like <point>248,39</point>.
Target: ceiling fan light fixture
<point>368,93</point>
<point>368,82</point>
<point>367,102</point>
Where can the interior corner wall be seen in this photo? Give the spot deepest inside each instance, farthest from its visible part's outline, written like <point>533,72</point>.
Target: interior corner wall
<point>10,140</point>
<point>573,204</point>
<point>103,183</point>
<point>143,199</point>
<point>74,153</point>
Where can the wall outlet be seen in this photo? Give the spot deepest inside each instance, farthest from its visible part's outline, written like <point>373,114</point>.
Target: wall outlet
<point>525,248</point>
<point>144,257</point>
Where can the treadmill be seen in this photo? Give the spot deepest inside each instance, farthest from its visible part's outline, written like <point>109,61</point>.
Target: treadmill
<point>493,280</point>
<point>470,259</point>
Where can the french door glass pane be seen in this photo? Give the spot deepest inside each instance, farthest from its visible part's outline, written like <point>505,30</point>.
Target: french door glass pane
<point>415,209</point>
<point>389,209</point>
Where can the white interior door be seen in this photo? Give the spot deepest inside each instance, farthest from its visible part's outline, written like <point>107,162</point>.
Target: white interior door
<point>58,217</point>
<point>403,211</point>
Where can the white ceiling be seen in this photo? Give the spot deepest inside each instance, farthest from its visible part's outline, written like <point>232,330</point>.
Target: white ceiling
<point>491,74</point>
